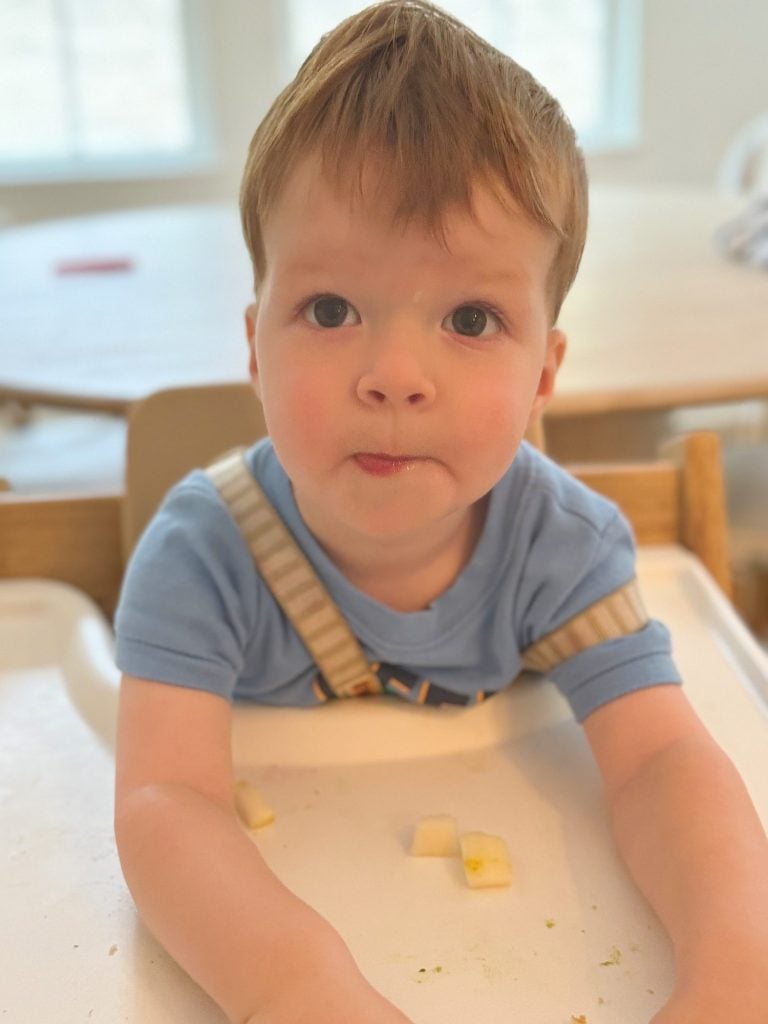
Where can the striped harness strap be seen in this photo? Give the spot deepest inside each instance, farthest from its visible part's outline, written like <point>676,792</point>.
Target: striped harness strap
<point>613,616</point>
<point>323,629</point>
<point>292,580</point>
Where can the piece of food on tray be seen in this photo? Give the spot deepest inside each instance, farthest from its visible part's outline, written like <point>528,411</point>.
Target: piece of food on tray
<point>253,809</point>
<point>486,860</point>
<point>435,836</point>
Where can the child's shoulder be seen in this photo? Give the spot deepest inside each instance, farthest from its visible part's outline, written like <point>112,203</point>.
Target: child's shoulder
<point>193,521</point>
<point>548,490</point>
<point>196,492</point>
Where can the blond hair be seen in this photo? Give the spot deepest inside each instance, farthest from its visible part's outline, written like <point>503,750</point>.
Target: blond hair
<point>406,80</point>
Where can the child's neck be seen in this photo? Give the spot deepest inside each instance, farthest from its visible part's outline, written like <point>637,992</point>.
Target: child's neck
<point>410,575</point>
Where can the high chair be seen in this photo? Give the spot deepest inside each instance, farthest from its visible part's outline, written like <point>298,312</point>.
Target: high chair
<point>86,541</point>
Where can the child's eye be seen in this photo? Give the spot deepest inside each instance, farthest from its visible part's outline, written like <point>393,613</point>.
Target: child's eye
<point>330,311</point>
<point>472,321</point>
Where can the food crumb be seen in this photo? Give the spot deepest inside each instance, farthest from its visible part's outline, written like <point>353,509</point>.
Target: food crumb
<point>423,971</point>
<point>549,923</point>
<point>112,950</point>
<point>613,960</point>
<point>581,1019</point>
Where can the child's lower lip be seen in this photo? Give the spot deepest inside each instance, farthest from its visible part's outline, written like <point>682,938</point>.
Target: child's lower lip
<point>384,465</point>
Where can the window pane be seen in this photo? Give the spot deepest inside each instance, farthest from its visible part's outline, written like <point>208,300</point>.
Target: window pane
<point>33,118</point>
<point>130,84</point>
<point>93,79</point>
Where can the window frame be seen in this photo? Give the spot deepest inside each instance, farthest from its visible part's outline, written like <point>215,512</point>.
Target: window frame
<point>623,107</point>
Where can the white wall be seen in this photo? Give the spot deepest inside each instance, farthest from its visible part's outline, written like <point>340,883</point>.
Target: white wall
<point>704,74</point>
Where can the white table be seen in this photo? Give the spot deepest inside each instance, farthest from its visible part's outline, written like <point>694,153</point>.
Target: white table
<point>656,318</point>
<point>350,780</point>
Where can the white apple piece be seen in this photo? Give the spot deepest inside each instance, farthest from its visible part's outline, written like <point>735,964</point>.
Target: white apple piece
<point>435,836</point>
<point>486,860</point>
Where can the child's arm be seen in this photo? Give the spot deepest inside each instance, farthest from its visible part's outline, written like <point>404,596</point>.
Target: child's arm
<point>201,885</point>
<point>692,839</point>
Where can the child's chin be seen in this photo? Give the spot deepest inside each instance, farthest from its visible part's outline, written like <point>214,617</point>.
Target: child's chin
<point>393,520</point>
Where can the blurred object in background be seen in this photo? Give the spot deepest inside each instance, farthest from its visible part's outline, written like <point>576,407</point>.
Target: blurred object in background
<point>45,451</point>
<point>744,166</point>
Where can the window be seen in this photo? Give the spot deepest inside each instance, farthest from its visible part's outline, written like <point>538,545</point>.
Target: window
<point>99,87</point>
<point>586,52</point>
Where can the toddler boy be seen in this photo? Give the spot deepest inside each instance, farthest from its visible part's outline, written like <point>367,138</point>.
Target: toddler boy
<point>415,208</point>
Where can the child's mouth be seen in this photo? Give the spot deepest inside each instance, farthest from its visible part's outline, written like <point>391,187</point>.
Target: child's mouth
<point>380,464</point>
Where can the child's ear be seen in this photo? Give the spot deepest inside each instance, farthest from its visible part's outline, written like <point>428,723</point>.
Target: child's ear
<point>556,344</point>
<point>251,312</point>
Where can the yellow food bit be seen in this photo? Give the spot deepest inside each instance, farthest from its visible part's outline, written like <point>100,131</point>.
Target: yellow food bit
<point>613,960</point>
<point>486,860</point>
<point>253,809</point>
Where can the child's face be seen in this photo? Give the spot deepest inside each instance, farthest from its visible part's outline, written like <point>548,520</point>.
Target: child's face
<point>398,375</point>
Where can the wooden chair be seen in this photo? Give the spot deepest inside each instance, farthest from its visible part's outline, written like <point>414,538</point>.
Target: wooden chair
<point>678,499</point>
<point>743,167</point>
<point>174,431</point>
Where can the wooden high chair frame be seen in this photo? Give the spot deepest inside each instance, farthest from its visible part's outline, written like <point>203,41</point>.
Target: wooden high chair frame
<point>86,540</point>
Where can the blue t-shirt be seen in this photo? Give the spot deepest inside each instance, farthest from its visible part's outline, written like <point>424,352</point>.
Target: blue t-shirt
<point>195,612</point>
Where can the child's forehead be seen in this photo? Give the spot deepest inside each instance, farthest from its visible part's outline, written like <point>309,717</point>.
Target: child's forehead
<point>365,201</point>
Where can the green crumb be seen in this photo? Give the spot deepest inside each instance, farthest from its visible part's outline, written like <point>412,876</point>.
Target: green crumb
<point>423,973</point>
<point>613,960</point>
<point>549,923</point>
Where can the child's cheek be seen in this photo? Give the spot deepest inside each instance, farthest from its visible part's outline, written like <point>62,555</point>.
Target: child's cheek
<point>303,410</point>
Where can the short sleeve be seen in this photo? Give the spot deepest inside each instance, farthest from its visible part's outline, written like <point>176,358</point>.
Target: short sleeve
<point>189,597</point>
<point>584,551</point>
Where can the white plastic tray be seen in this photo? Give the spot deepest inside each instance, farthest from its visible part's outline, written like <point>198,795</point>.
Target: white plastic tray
<point>347,782</point>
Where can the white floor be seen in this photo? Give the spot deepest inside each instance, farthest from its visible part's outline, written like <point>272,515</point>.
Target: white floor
<point>53,450</point>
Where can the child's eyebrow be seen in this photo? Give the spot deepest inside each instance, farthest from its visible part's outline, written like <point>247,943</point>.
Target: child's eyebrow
<point>503,278</point>
<point>304,265</point>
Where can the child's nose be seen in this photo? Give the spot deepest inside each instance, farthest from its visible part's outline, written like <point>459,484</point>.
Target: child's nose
<point>396,374</point>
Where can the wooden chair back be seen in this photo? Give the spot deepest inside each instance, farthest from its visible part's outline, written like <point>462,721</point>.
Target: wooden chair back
<point>174,431</point>
<point>85,540</point>
<point>679,499</point>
